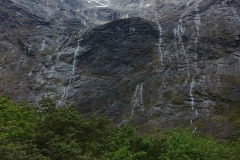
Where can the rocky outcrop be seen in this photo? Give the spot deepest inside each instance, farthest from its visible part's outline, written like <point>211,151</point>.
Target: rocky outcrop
<point>156,63</point>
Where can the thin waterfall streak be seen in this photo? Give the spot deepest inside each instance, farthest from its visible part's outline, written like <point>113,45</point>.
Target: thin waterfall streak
<point>61,100</point>
<point>160,43</point>
<point>137,100</point>
<point>74,60</point>
<point>71,79</point>
<point>178,33</point>
<point>192,85</point>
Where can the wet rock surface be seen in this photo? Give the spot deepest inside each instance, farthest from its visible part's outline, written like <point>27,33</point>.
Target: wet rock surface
<point>157,64</point>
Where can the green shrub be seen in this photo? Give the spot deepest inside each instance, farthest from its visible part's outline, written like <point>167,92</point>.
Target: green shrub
<point>51,133</point>
<point>184,145</point>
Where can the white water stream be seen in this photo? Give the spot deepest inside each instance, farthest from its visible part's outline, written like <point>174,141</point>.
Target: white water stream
<point>43,45</point>
<point>137,103</point>
<point>192,85</point>
<point>74,60</point>
<point>178,33</point>
<point>72,76</point>
<point>197,22</point>
<point>160,44</point>
<point>137,100</point>
<point>179,30</point>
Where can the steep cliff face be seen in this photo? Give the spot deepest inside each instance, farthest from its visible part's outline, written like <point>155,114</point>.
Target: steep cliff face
<point>162,64</point>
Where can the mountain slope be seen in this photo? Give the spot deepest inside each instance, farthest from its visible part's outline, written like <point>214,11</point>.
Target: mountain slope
<point>161,64</point>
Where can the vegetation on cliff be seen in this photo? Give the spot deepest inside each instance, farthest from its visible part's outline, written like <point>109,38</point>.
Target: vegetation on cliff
<point>51,133</point>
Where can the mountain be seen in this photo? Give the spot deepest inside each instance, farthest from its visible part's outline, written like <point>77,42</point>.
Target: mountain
<point>161,64</point>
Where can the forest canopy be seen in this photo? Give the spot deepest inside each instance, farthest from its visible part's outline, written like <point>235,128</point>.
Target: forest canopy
<point>50,133</point>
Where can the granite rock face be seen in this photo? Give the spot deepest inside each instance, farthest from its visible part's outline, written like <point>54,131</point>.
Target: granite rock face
<point>161,64</point>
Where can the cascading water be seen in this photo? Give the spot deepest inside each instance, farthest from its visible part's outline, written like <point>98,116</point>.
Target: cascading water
<point>178,41</point>
<point>160,44</point>
<point>61,100</point>
<point>124,15</point>
<point>197,22</point>
<point>43,45</point>
<point>137,100</point>
<point>192,85</point>
<point>74,60</point>
<point>178,33</point>
<point>84,23</point>
<point>149,3</point>
<point>160,39</point>
<point>132,29</point>
<point>60,52</point>
<point>71,79</point>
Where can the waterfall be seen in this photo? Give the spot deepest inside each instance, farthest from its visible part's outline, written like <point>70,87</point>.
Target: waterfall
<point>160,44</point>
<point>192,85</point>
<point>124,15</point>
<point>197,21</point>
<point>192,103</point>
<point>178,33</point>
<point>74,60</point>
<point>84,22</point>
<point>160,39</point>
<point>137,100</point>
<point>43,45</point>
<point>196,113</point>
<point>149,4</point>
<point>132,29</point>
<point>60,52</point>
<point>71,79</point>
<point>98,3</point>
<point>61,100</point>
<point>195,128</point>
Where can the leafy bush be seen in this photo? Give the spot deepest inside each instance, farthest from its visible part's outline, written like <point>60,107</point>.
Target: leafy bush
<point>184,145</point>
<point>18,127</point>
<point>50,133</point>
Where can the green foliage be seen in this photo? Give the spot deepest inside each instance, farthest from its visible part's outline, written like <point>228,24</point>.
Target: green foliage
<point>47,105</point>
<point>17,130</point>
<point>66,132</point>
<point>236,144</point>
<point>17,123</point>
<point>50,133</point>
<point>124,143</point>
<point>184,145</point>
